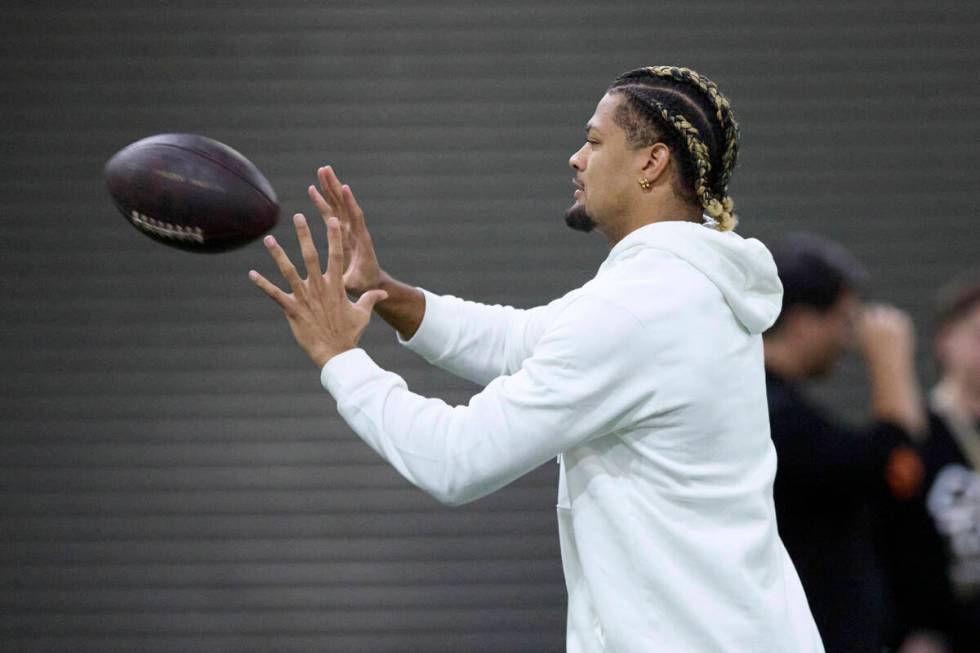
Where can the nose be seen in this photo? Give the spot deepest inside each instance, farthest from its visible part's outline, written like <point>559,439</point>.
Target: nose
<point>575,161</point>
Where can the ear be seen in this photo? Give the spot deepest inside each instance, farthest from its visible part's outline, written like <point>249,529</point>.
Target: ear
<point>657,161</point>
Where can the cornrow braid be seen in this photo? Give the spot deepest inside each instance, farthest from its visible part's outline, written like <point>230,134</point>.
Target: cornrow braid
<point>699,154</point>
<point>723,111</point>
<point>661,95</point>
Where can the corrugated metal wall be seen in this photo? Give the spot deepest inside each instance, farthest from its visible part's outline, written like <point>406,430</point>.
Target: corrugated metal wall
<point>172,476</point>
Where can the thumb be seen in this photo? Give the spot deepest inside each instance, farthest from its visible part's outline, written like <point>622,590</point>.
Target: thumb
<point>370,298</point>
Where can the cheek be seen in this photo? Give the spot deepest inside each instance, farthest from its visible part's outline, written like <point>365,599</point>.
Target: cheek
<point>609,178</point>
<point>595,182</point>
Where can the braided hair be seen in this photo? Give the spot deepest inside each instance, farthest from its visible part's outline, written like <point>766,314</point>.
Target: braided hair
<point>685,111</point>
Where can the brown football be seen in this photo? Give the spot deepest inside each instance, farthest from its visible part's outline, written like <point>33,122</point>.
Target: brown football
<point>191,192</point>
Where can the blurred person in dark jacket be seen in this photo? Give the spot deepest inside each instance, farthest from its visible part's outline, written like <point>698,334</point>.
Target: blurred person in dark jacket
<point>952,455</point>
<point>831,477</point>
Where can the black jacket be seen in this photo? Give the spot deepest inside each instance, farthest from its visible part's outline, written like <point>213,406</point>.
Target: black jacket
<point>830,481</point>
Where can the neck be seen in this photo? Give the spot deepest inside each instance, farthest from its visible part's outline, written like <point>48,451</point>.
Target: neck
<point>671,209</point>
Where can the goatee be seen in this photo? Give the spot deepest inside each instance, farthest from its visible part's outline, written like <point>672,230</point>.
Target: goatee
<point>579,219</point>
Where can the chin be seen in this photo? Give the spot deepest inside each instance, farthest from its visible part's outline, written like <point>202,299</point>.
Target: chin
<point>578,218</point>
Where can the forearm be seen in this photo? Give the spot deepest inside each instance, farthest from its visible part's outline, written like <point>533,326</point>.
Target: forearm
<point>895,395</point>
<point>475,341</point>
<point>469,343</point>
<point>574,388</point>
<point>458,454</point>
<point>466,339</point>
<point>888,345</point>
<point>403,309</point>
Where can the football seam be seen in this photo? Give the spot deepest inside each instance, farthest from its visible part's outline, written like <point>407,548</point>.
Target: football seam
<point>258,190</point>
<point>220,238</point>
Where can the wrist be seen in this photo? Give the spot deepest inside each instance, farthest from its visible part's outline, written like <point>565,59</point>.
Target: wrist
<point>322,357</point>
<point>395,291</point>
<point>360,283</point>
<point>385,282</point>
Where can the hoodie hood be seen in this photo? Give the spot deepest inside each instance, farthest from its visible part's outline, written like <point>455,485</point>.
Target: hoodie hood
<point>741,268</point>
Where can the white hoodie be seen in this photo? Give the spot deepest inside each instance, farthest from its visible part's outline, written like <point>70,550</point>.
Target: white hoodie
<point>649,382</point>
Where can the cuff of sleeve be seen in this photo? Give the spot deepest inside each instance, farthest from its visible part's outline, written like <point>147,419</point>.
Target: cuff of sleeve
<point>347,371</point>
<point>435,331</point>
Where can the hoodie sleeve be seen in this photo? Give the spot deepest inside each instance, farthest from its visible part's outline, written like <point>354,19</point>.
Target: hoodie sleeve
<point>575,387</point>
<point>476,341</point>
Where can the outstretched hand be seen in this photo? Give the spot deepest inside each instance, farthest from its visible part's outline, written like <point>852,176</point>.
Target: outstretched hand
<point>323,320</point>
<point>361,271</point>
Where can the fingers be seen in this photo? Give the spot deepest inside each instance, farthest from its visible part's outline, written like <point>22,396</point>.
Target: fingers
<point>335,257</point>
<point>326,210</point>
<point>306,246</point>
<point>339,196</point>
<point>320,203</point>
<point>330,185</point>
<point>282,261</point>
<point>270,289</point>
<point>370,298</point>
<point>354,213</point>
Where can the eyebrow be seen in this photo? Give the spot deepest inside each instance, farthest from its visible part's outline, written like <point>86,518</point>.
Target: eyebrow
<point>590,127</point>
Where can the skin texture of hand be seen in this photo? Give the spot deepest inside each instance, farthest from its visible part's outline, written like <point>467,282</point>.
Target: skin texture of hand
<point>404,305</point>
<point>361,269</point>
<point>323,320</point>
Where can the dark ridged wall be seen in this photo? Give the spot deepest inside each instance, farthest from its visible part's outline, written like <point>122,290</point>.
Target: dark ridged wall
<point>174,479</point>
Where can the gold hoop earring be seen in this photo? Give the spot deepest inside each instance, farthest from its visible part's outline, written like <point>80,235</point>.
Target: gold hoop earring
<point>645,184</point>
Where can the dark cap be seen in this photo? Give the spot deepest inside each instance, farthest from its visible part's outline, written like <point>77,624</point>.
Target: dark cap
<point>815,271</point>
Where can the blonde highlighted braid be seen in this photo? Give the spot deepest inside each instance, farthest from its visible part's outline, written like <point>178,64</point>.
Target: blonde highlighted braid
<point>663,96</point>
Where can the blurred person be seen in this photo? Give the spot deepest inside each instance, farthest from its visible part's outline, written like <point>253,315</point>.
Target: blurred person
<point>952,454</point>
<point>831,477</point>
<point>647,382</point>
